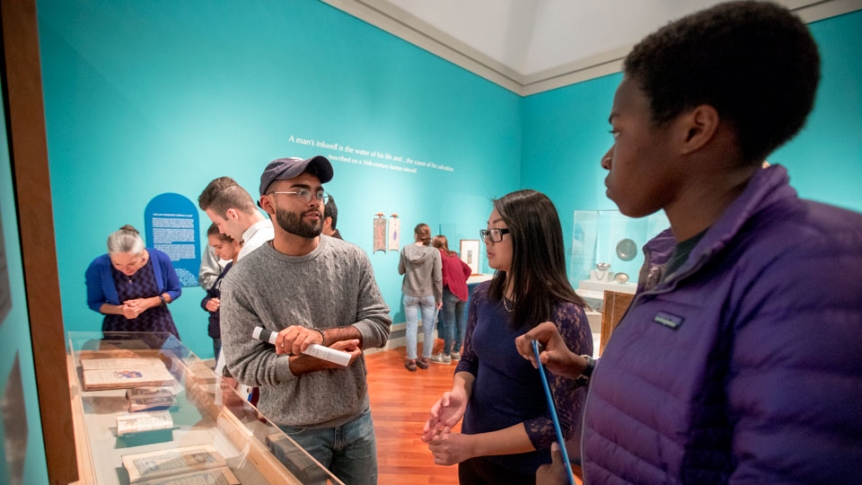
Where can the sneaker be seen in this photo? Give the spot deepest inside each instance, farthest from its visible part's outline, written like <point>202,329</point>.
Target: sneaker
<point>441,358</point>
<point>422,363</point>
<point>410,365</point>
<point>455,355</point>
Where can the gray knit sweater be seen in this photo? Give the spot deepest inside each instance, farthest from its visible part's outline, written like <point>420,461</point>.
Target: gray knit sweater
<point>333,286</point>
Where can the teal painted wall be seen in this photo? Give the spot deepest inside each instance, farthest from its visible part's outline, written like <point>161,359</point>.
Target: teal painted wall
<point>15,340</point>
<point>565,136</point>
<point>143,99</point>
<point>150,97</point>
<point>825,159</point>
<point>566,133</point>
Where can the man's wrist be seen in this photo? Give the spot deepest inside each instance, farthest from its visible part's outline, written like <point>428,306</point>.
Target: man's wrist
<point>322,336</point>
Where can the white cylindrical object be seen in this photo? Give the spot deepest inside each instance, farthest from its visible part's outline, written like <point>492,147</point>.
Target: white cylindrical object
<point>339,357</point>
<point>261,333</point>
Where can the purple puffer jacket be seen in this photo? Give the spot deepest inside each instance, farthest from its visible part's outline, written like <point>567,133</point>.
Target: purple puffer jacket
<point>746,367</point>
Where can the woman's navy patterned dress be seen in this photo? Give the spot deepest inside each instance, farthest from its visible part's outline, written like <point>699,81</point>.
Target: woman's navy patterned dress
<point>140,285</point>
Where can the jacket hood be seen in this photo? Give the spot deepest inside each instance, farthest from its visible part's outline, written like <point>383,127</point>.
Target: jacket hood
<point>419,254</point>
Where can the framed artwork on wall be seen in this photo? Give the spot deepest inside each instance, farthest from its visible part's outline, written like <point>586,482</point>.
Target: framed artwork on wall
<point>470,254</point>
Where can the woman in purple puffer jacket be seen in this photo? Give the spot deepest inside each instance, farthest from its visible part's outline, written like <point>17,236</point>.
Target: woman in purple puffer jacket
<point>739,359</point>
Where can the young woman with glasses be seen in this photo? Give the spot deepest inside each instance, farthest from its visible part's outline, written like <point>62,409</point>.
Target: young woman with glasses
<point>507,431</point>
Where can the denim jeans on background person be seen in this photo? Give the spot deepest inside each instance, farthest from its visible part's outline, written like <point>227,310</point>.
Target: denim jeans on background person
<point>349,451</point>
<point>454,320</point>
<point>412,307</point>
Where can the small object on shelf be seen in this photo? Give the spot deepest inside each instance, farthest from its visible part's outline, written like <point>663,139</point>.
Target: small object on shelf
<point>217,476</point>
<point>621,278</point>
<point>142,392</point>
<point>124,378</point>
<point>112,370</point>
<point>150,403</point>
<point>200,373</point>
<point>176,461</point>
<point>143,422</point>
<point>119,363</point>
<point>627,249</point>
<point>601,272</point>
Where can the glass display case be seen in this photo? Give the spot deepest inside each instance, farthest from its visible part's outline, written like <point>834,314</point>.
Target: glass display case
<point>148,411</point>
<point>607,251</point>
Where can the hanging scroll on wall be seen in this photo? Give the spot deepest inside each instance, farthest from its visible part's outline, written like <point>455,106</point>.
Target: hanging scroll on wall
<point>394,233</point>
<point>379,233</point>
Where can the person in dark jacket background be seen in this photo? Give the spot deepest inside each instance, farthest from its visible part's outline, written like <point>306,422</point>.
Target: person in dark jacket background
<point>739,358</point>
<point>226,249</point>
<point>330,219</point>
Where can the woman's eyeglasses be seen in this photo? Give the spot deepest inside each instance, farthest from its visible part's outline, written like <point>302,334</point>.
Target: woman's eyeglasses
<point>493,235</point>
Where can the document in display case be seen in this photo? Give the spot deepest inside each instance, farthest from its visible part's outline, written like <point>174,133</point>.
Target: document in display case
<point>143,422</point>
<point>173,425</point>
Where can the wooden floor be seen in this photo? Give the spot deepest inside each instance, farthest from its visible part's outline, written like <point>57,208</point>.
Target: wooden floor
<point>400,405</point>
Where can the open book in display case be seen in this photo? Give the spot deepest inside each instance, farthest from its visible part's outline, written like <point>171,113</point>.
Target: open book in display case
<point>187,431</point>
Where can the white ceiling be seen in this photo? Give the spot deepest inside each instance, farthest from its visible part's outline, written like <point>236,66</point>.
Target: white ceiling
<point>531,36</point>
<point>529,46</point>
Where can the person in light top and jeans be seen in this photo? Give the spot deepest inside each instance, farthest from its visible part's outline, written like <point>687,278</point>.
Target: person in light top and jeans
<point>455,294</point>
<point>423,291</point>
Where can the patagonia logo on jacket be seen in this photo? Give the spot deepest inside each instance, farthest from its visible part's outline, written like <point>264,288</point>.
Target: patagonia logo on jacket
<point>668,320</point>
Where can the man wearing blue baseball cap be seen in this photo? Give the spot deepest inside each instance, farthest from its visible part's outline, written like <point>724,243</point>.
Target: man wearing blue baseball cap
<point>309,289</point>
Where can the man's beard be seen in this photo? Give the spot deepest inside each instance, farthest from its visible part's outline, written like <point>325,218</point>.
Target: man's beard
<point>293,223</point>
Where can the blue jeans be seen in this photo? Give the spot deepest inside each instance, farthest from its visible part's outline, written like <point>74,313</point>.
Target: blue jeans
<point>349,451</point>
<point>454,321</point>
<point>412,307</point>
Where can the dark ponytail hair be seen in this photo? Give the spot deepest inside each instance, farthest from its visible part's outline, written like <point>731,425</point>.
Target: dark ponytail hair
<point>538,271</point>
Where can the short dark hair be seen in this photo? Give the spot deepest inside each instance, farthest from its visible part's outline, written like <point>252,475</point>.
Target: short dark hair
<point>331,210</point>
<point>538,259</point>
<point>224,193</point>
<point>754,62</point>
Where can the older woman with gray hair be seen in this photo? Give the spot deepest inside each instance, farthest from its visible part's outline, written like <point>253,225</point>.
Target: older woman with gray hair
<point>132,285</point>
